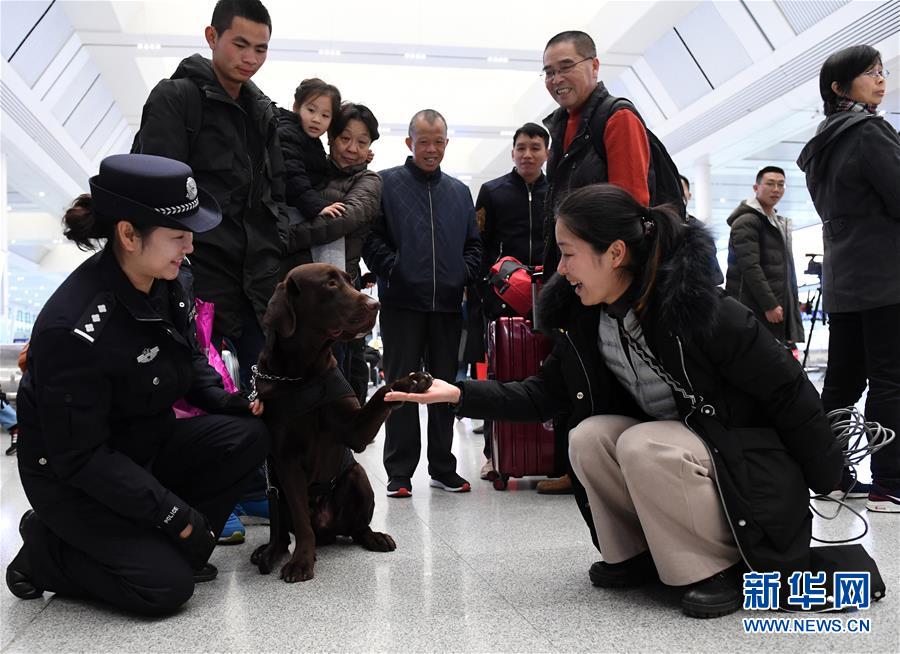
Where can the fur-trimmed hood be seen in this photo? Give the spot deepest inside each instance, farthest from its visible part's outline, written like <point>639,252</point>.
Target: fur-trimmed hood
<point>684,301</point>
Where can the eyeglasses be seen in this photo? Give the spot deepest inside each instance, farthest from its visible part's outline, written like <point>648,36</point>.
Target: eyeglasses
<point>550,73</point>
<point>884,73</point>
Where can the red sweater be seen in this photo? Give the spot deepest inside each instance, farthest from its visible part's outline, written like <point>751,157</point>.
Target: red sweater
<point>627,151</point>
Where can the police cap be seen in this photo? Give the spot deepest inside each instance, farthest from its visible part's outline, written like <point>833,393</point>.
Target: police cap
<point>148,191</point>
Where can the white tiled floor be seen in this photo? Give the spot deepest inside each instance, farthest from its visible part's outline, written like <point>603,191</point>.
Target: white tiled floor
<point>479,572</point>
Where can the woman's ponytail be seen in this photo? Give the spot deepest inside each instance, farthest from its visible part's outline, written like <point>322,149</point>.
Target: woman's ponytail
<point>662,227</point>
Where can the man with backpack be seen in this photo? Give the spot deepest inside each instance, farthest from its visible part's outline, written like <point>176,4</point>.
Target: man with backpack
<point>596,138</point>
<point>212,117</point>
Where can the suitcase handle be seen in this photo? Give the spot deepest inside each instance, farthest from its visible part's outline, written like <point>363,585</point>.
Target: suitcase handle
<point>536,278</point>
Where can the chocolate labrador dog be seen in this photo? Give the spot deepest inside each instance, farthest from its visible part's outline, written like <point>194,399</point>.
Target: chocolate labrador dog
<point>315,419</point>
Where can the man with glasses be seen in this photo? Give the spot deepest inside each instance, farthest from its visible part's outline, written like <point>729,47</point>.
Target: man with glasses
<point>761,271</point>
<point>582,154</point>
<point>619,154</point>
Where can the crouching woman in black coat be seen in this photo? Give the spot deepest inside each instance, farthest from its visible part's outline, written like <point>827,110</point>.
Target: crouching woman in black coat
<point>126,499</point>
<point>693,431</point>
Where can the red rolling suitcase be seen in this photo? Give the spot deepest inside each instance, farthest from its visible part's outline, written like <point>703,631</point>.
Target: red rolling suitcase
<point>518,449</point>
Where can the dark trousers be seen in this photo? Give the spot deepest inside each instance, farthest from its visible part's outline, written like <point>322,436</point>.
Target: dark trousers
<point>245,347</point>
<point>413,340</point>
<point>80,548</point>
<point>351,361</point>
<point>864,346</point>
<point>357,368</point>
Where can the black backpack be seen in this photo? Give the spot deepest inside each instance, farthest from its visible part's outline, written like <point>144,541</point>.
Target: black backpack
<point>193,114</point>
<point>662,179</point>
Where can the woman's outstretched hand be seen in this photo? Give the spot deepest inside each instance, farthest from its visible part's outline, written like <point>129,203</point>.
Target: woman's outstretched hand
<point>440,391</point>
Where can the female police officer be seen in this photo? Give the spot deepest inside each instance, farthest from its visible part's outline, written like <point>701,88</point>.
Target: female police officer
<point>127,499</point>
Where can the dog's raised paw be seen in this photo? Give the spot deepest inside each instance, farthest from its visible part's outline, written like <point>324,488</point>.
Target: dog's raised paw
<point>414,382</point>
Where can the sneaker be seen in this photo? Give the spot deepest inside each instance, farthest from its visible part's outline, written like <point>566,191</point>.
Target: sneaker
<point>850,488</point>
<point>399,487</point>
<point>13,440</point>
<point>452,483</point>
<point>253,512</point>
<point>233,532</point>
<point>883,500</point>
<point>487,471</point>
<point>636,571</point>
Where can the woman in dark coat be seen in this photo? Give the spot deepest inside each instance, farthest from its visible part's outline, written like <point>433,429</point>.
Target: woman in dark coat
<point>694,433</point>
<point>126,499</point>
<point>852,168</point>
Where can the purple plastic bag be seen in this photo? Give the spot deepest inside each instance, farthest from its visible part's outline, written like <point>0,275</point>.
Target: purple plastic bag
<point>204,324</point>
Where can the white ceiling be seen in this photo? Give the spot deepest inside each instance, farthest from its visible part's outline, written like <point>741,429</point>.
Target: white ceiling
<point>728,86</point>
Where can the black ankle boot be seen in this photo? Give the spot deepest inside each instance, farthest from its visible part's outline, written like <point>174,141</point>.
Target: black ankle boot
<point>716,596</point>
<point>18,572</point>
<point>636,571</point>
<point>206,572</point>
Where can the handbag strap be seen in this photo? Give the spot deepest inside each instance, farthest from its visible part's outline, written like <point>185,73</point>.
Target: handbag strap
<point>654,365</point>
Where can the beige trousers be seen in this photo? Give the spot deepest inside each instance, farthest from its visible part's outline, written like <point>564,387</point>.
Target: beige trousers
<point>650,485</point>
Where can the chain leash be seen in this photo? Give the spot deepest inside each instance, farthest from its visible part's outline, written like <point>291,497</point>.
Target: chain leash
<point>256,374</point>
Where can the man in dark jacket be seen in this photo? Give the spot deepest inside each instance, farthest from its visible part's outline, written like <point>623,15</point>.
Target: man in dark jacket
<point>510,209</point>
<point>510,215</point>
<point>761,272</point>
<point>570,75</point>
<point>425,248</point>
<point>212,117</point>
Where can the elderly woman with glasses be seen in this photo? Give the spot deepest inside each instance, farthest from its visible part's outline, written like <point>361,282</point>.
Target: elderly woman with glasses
<point>852,168</point>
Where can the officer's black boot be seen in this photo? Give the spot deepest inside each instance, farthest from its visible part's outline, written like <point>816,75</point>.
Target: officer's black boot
<point>18,573</point>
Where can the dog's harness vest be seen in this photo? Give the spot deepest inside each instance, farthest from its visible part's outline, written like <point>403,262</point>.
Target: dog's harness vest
<point>319,488</point>
<point>310,394</point>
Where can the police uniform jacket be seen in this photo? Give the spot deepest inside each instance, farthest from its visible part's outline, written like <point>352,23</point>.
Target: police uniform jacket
<point>770,440</point>
<point>105,364</point>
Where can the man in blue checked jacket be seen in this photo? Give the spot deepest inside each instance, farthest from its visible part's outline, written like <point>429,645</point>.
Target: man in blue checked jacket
<point>425,248</point>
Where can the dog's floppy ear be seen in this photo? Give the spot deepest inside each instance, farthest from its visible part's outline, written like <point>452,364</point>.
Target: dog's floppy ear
<point>280,311</point>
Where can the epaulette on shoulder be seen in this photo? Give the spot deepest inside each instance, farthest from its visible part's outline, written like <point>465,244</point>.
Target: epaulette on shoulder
<point>95,316</point>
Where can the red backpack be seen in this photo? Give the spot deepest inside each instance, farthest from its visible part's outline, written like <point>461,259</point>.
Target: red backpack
<point>511,281</point>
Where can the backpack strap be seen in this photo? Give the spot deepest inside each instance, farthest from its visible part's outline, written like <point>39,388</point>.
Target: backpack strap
<point>192,102</point>
<point>192,95</point>
<point>602,113</point>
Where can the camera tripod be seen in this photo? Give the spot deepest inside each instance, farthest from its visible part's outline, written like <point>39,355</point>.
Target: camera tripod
<point>813,299</point>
